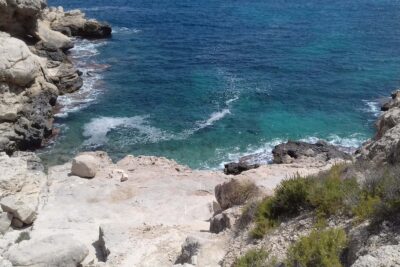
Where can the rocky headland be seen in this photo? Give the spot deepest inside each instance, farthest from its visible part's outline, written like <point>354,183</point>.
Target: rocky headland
<point>150,211</point>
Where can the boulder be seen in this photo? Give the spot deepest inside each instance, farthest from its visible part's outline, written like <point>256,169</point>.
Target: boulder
<point>18,208</point>
<point>57,251</point>
<point>300,152</point>
<point>225,220</point>
<point>237,168</point>
<point>84,166</point>
<point>235,192</point>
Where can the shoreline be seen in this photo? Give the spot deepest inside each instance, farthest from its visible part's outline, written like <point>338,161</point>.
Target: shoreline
<point>142,211</point>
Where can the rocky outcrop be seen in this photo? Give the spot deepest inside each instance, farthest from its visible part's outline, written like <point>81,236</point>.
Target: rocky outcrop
<point>19,18</point>
<point>302,152</point>
<point>74,23</point>
<point>384,148</point>
<point>21,182</point>
<point>57,250</point>
<point>26,97</point>
<point>31,77</point>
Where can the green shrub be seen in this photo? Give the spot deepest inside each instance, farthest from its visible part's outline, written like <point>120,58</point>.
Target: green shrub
<point>331,195</point>
<point>327,193</point>
<point>366,207</point>
<point>253,258</point>
<point>320,248</point>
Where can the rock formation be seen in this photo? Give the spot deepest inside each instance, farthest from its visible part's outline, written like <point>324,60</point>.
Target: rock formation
<point>32,76</point>
<point>302,152</point>
<point>384,148</point>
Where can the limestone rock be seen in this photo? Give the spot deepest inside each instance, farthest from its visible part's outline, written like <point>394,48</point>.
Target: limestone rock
<point>298,152</point>
<point>21,181</point>
<point>74,23</point>
<point>84,166</point>
<point>58,251</point>
<point>235,192</point>
<point>18,208</point>
<point>51,37</point>
<point>26,97</point>
<point>19,17</point>
<point>5,221</point>
<point>381,256</point>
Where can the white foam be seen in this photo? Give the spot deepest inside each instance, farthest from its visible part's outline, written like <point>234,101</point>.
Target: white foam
<point>120,30</point>
<point>97,129</point>
<point>263,154</point>
<point>214,117</point>
<point>372,107</point>
<point>82,54</point>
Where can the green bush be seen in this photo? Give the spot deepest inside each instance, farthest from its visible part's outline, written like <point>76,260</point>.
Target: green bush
<point>253,258</point>
<point>320,248</point>
<point>326,193</point>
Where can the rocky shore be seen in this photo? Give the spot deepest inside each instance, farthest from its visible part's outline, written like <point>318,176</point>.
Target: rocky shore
<point>146,211</point>
<point>35,67</point>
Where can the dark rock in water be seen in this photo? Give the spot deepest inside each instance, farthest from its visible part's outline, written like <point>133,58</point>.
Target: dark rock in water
<point>95,29</point>
<point>237,168</point>
<point>297,151</point>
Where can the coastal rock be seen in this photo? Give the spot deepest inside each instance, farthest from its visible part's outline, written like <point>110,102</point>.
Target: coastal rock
<point>51,37</point>
<point>19,208</point>
<point>225,220</point>
<point>74,23</point>
<point>381,256</point>
<point>26,96</point>
<point>58,250</point>
<point>237,168</point>
<point>300,152</point>
<point>21,181</point>
<point>84,166</point>
<point>20,17</point>
<point>235,192</point>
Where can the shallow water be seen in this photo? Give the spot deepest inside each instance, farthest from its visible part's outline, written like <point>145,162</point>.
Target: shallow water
<point>204,82</point>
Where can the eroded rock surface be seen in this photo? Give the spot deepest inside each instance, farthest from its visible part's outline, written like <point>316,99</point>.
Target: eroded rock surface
<point>302,152</point>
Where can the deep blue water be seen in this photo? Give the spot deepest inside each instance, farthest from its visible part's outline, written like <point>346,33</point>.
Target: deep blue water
<point>205,81</point>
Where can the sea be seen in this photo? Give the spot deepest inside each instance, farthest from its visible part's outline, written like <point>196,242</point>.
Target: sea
<point>205,82</point>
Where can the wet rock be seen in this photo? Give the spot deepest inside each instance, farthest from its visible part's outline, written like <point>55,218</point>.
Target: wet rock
<point>299,152</point>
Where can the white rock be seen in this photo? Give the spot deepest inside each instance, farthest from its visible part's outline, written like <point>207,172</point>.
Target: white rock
<point>5,221</point>
<point>55,251</point>
<point>84,166</point>
<point>18,208</point>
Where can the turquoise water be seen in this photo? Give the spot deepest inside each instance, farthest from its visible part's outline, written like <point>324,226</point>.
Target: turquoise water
<point>204,82</point>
